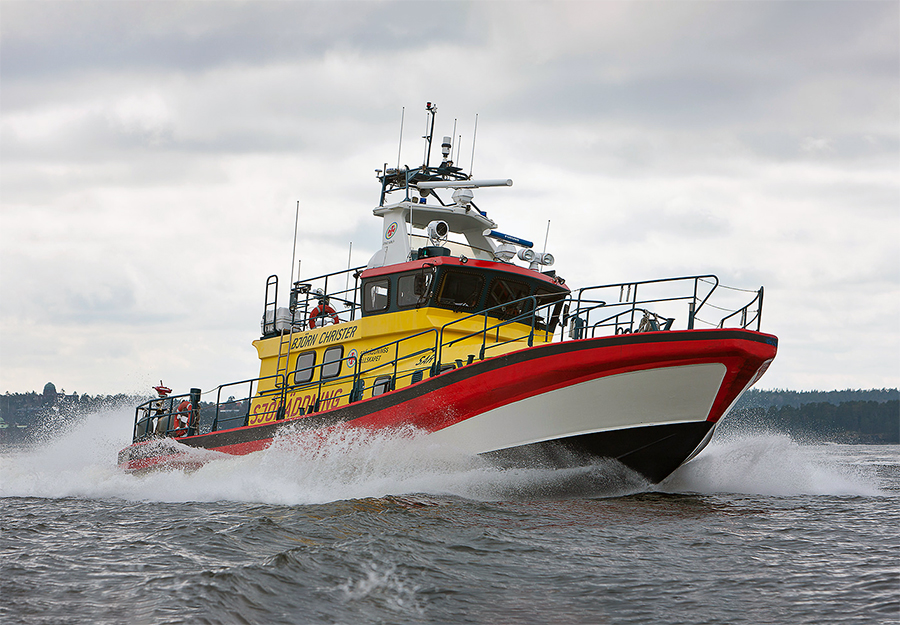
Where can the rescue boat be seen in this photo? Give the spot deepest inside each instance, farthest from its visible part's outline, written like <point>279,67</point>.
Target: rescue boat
<point>463,333</point>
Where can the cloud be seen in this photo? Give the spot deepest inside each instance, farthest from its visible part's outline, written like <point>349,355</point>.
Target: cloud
<point>153,155</point>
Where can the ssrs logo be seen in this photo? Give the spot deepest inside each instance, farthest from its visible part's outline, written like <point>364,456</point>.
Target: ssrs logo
<point>392,229</point>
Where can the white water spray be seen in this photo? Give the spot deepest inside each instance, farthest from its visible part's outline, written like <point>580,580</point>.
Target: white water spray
<point>772,464</point>
<point>80,461</point>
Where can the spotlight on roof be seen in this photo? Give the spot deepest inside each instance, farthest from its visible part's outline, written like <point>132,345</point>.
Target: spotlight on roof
<point>546,259</point>
<point>437,231</point>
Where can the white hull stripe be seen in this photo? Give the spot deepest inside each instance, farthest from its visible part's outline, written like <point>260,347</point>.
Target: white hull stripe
<point>640,398</point>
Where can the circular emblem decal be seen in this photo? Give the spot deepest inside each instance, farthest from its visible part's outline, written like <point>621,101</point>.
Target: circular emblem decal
<point>392,229</point>
<point>351,358</point>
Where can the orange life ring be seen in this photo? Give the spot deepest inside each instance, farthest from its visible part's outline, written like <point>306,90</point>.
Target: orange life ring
<point>323,310</point>
<point>182,418</point>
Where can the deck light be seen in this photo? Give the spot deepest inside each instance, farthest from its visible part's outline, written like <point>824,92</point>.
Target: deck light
<point>545,259</point>
<point>437,231</point>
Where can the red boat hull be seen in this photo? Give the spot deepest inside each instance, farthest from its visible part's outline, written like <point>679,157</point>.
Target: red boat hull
<point>650,400</point>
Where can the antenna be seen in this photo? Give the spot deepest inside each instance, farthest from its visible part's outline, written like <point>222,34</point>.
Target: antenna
<point>546,236</point>
<point>429,133</point>
<point>294,250</point>
<point>402,115</point>
<point>453,134</point>
<point>347,277</point>
<point>474,134</point>
<point>409,232</point>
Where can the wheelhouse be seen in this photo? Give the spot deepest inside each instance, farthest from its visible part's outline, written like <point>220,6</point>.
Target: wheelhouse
<point>460,285</point>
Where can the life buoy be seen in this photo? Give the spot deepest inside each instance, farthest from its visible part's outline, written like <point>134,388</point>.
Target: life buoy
<point>182,418</point>
<point>323,310</point>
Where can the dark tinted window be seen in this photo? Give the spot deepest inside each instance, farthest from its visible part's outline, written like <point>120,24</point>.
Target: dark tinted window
<point>331,362</point>
<point>375,295</point>
<point>503,291</point>
<point>460,289</point>
<point>303,372</point>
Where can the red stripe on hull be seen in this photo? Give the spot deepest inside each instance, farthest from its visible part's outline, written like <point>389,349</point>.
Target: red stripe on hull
<point>462,400</point>
<point>457,395</point>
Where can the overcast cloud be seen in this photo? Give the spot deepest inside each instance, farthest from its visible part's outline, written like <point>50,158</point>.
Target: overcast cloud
<point>152,154</point>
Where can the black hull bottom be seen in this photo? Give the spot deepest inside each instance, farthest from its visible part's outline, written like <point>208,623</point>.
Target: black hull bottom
<point>653,451</point>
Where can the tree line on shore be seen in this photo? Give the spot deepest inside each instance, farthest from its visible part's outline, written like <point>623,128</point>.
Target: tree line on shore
<point>861,416</point>
<point>24,414</point>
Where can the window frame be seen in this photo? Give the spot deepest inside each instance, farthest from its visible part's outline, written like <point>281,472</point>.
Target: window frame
<point>371,284</point>
<point>450,274</point>
<point>502,312</point>
<point>382,385</point>
<point>311,369</point>
<point>327,375</point>
<point>418,300</point>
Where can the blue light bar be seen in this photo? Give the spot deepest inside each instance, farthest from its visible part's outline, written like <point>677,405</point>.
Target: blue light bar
<point>508,238</point>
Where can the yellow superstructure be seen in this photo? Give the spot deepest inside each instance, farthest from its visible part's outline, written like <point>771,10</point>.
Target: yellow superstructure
<point>316,368</point>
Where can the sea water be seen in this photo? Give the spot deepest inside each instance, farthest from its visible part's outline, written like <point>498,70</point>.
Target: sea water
<point>759,528</point>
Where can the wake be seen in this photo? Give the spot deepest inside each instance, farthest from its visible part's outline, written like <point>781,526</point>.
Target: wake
<point>81,461</point>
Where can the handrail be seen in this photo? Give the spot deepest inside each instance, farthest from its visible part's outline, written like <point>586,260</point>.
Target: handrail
<point>278,389</point>
<point>626,321</point>
<point>155,410</point>
<point>530,313</point>
<point>304,292</point>
<point>360,371</point>
<point>632,313</point>
<point>744,310</point>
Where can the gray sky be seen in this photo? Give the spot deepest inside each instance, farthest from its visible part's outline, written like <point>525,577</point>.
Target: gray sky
<point>152,154</point>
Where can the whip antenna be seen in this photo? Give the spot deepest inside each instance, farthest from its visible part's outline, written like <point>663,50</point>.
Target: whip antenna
<point>474,134</point>
<point>400,146</point>
<point>294,250</point>
<point>347,277</point>
<point>453,135</point>
<point>546,236</point>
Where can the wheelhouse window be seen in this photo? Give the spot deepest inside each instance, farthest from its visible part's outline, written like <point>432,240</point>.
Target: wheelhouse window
<point>375,295</point>
<point>303,372</point>
<point>414,289</point>
<point>331,362</point>
<point>460,290</point>
<point>504,291</point>
<point>382,385</point>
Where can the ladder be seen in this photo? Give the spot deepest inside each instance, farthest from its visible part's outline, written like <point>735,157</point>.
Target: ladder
<point>270,326</point>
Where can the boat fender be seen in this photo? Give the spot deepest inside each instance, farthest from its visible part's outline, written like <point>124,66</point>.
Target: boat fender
<point>323,310</point>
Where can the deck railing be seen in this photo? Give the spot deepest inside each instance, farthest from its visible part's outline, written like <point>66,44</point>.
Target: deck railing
<point>650,305</point>
<point>337,288</point>
<point>610,309</point>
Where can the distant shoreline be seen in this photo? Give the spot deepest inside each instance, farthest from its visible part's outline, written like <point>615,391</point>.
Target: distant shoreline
<point>865,417</point>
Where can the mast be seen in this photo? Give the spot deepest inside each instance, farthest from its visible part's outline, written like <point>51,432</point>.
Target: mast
<point>432,110</point>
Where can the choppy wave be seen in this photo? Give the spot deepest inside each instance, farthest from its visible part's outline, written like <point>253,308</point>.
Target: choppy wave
<point>80,461</point>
